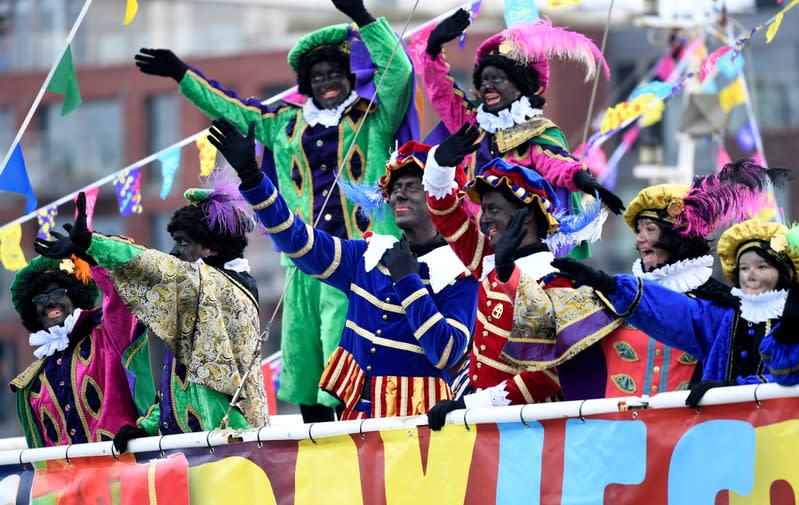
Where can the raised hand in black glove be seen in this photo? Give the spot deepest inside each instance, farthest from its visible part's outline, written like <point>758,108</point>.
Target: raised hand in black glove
<point>447,30</point>
<point>788,331</point>
<point>581,273</point>
<point>161,62</point>
<point>586,183</point>
<point>400,261</point>
<point>508,244</point>
<point>355,10</point>
<point>437,416</point>
<point>698,391</point>
<point>77,242</point>
<point>457,146</point>
<point>238,151</point>
<point>125,434</point>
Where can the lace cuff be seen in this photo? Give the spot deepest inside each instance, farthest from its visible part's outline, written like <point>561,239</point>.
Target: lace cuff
<point>438,181</point>
<point>495,396</point>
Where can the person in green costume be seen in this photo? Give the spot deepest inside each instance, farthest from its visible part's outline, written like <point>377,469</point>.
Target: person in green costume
<point>200,300</point>
<point>309,134</point>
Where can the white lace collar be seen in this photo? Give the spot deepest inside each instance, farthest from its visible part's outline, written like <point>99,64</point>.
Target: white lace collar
<point>236,265</point>
<point>535,266</point>
<point>681,276</point>
<point>762,306</point>
<point>519,112</point>
<point>313,115</point>
<point>55,338</point>
<point>442,262</point>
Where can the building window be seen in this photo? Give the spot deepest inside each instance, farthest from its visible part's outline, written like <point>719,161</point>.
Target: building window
<point>9,424</point>
<point>163,121</point>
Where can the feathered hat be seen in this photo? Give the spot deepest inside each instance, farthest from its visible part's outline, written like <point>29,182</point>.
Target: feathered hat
<point>531,189</point>
<point>533,44</point>
<point>712,201</point>
<point>778,242</point>
<point>73,266</point>
<point>225,210</point>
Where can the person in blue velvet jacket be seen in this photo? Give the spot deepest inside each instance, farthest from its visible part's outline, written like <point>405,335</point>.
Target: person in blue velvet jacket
<point>412,303</point>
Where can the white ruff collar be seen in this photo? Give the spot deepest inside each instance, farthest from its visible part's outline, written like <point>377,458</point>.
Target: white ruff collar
<point>313,115</point>
<point>519,112</point>
<point>762,306</point>
<point>442,262</point>
<point>682,276</point>
<point>236,265</point>
<point>55,338</point>
<point>535,266</point>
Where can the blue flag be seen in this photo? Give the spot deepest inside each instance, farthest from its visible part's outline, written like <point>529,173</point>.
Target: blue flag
<point>520,10</point>
<point>15,179</point>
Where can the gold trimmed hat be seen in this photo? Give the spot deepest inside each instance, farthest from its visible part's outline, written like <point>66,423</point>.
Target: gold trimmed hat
<point>772,238</point>
<point>663,202</point>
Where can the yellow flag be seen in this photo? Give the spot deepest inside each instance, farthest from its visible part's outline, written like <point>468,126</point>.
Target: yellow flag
<point>130,11</point>
<point>207,156</point>
<point>11,254</point>
<point>773,27</point>
<point>557,4</point>
<point>732,95</point>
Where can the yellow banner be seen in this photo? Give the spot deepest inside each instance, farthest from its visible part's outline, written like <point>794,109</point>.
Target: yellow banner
<point>11,254</point>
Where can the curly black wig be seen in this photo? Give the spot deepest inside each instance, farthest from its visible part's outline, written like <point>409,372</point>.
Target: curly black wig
<point>678,246</point>
<point>82,295</point>
<point>192,220</point>
<point>784,268</point>
<point>524,77</point>
<point>328,53</point>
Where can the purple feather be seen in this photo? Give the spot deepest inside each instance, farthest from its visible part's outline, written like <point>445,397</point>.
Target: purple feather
<point>225,209</point>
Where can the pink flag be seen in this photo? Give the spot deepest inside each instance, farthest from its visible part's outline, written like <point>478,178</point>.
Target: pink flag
<point>91,200</point>
<point>722,158</point>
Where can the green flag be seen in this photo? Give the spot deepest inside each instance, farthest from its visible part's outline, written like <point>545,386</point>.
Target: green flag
<point>65,81</point>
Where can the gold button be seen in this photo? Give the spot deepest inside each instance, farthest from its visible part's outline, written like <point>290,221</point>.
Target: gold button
<point>479,365</point>
<point>482,347</point>
<point>474,377</point>
<point>385,317</point>
<point>368,368</point>
<point>323,166</point>
<point>656,369</point>
<point>320,143</point>
<point>379,332</point>
<point>488,302</point>
<point>388,299</point>
<point>324,192</point>
<point>373,350</point>
<point>494,284</point>
<point>658,352</point>
<point>328,217</point>
<point>485,333</point>
<point>489,319</point>
<point>654,389</point>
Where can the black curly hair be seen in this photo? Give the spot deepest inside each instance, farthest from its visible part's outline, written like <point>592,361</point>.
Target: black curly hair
<point>192,220</point>
<point>82,295</point>
<point>328,53</point>
<point>524,77</point>
<point>784,268</point>
<point>678,246</point>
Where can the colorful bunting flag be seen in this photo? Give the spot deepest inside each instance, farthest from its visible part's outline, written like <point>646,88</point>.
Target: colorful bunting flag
<point>745,137</point>
<point>520,10</point>
<point>15,179</point>
<point>732,95</point>
<point>773,27</point>
<point>207,156</point>
<point>65,82</point>
<point>170,161</point>
<point>711,61</point>
<point>730,64</point>
<point>128,189</point>
<point>11,254</point>
<point>131,9</point>
<point>474,11</point>
<point>557,4</point>
<point>91,201</point>
<point>46,218</point>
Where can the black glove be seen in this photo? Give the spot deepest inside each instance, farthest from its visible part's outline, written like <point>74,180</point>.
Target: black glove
<point>453,149</point>
<point>125,434</point>
<point>508,244</point>
<point>788,331</point>
<point>238,151</point>
<point>401,261</point>
<point>438,414</point>
<point>581,273</point>
<point>77,242</point>
<point>447,30</point>
<point>355,10</point>
<point>161,62</point>
<point>587,184</point>
<point>698,391</point>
